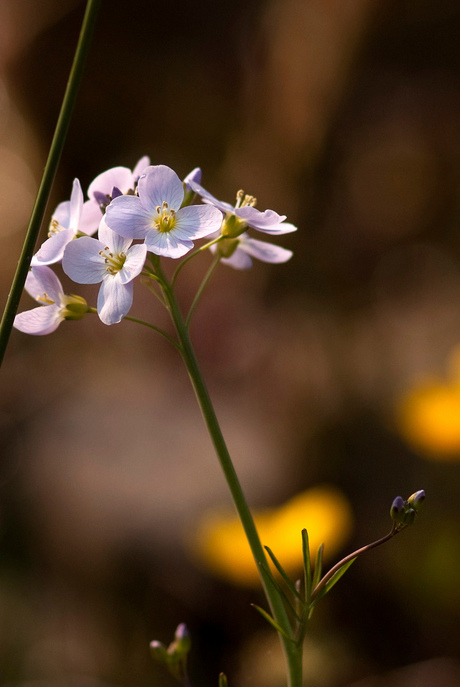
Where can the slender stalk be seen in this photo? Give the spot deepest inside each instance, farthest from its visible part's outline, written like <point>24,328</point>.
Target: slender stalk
<point>350,557</point>
<point>292,652</point>
<point>192,255</point>
<point>202,287</point>
<point>156,329</point>
<point>17,286</point>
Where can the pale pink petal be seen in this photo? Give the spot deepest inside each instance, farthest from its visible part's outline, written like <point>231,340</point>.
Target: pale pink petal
<point>62,214</point>
<point>52,249</point>
<point>39,321</point>
<point>114,241</point>
<point>90,217</point>
<point>76,204</point>
<point>140,167</point>
<point>114,300</point>
<point>121,177</point>
<point>128,217</point>
<point>264,251</point>
<point>134,263</point>
<point>239,260</point>
<point>160,184</point>
<point>42,280</point>
<point>165,243</point>
<point>82,262</point>
<point>197,221</point>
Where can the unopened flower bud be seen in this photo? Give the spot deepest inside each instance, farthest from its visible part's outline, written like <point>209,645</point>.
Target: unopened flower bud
<point>223,680</point>
<point>398,510</point>
<point>182,642</point>
<point>416,500</point>
<point>158,651</point>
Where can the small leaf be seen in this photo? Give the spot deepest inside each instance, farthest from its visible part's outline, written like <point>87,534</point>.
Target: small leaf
<point>279,590</point>
<point>334,579</point>
<point>272,622</point>
<point>318,566</point>
<point>283,574</point>
<point>306,566</point>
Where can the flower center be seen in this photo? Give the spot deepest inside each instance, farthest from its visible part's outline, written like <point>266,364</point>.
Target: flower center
<point>44,298</point>
<point>243,200</point>
<point>165,219</point>
<point>114,263</point>
<point>55,228</point>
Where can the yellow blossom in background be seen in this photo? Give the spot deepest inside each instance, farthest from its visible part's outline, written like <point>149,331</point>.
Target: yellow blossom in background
<point>219,542</point>
<point>428,415</point>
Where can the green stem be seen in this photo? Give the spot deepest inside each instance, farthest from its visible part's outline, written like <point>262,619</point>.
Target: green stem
<point>292,652</point>
<point>156,329</point>
<point>54,155</point>
<point>355,554</point>
<point>192,255</point>
<point>202,287</point>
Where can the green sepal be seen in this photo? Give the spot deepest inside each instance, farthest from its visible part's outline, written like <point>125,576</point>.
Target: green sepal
<point>307,566</point>
<point>272,622</point>
<point>282,572</point>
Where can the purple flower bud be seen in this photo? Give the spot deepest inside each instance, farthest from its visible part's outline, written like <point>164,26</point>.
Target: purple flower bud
<point>398,510</point>
<point>416,500</point>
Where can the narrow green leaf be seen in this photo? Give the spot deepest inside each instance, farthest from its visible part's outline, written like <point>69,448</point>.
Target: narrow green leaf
<point>306,566</point>
<point>272,622</point>
<point>282,572</point>
<point>334,579</point>
<point>318,566</point>
<point>279,590</point>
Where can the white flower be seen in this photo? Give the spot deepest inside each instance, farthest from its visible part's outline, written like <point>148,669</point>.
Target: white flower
<point>156,215</point>
<point>43,285</point>
<point>111,260</point>
<point>70,219</point>
<point>238,252</point>
<point>244,214</point>
<point>115,182</point>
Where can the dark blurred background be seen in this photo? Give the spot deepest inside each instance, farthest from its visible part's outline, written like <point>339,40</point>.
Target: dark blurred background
<point>345,116</point>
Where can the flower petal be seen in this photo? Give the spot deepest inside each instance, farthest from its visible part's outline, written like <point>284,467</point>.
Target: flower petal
<point>264,251</point>
<point>82,262</point>
<point>166,244</point>
<point>127,216</point>
<point>194,175</point>
<point>114,241</point>
<point>39,321</point>
<point>42,280</point>
<point>90,217</point>
<point>62,214</point>
<point>209,198</point>
<point>121,177</point>
<point>196,221</point>
<point>278,229</point>
<point>257,219</point>
<point>134,263</point>
<point>140,167</point>
<point>239,260</point>
<point>76,204</point>
<point>52,250</point>
<point>160,184</point>
<point>114,300</point>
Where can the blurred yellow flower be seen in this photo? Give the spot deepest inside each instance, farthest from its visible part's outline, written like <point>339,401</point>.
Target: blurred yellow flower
<point>220,545</point>
<point>428,415</point>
